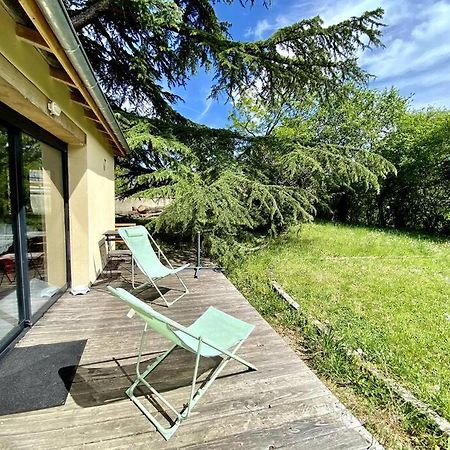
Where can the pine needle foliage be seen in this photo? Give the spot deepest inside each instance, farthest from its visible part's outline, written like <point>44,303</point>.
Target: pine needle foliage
<point>335,144</point>
<point>142,49</point>
<point>233,187</point>
<point>339,165</point>
<point>227,183</point>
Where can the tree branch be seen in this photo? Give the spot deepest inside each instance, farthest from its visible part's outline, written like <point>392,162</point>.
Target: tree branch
<point>87,15</point>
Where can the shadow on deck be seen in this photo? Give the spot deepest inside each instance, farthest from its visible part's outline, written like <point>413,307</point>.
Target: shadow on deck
<point>282,405</point>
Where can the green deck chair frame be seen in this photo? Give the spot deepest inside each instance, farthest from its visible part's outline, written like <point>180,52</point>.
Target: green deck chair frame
<point>142,247</point>
<point>213,334</point>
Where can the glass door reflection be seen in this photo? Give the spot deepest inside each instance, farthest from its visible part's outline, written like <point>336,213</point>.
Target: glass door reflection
<point>45,225</point>
<point>9,310</point>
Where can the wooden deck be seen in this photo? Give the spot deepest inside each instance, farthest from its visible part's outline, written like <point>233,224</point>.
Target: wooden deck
<point>282,405</point>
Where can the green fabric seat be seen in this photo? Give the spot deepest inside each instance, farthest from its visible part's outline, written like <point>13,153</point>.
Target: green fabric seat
<point>142,247</point>
<point>215,326</point>
<point>213,334</point>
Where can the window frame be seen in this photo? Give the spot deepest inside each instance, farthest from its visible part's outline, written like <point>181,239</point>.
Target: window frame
<point>15,125</point>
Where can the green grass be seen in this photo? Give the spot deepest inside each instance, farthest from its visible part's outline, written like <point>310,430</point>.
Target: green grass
<point>387,293</point>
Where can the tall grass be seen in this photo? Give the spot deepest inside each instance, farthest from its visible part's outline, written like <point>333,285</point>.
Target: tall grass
<point>386,294</point>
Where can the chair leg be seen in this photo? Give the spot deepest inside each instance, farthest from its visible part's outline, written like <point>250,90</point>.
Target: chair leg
<point>132,273</point>
<point>6,274</point>
<point>152,282</point>
<point>185,291</point>
<point>194,397</point>
<point>185,288</point>
<point>166,432</point>
<point>166,302</point>
<point>133,281</point>
<point>202,390</point>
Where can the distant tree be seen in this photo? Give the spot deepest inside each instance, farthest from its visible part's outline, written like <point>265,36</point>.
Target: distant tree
<point>362,119</point>
<point>419,196</point>
<point>362,123</point>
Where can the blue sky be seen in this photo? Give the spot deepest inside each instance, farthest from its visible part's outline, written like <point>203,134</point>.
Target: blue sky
<point>416,57</point>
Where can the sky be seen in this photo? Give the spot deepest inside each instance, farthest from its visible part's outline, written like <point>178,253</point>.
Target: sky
<point>415,59</point>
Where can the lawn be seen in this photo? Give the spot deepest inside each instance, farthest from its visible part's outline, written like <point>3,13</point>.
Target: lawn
<point>387,293</point>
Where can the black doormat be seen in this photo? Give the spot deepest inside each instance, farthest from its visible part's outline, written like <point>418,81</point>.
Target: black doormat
<point>38,377</point>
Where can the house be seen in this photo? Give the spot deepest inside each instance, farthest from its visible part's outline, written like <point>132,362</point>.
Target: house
<point>58,139</point>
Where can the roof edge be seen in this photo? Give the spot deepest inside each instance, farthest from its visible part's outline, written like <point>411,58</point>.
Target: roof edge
<point>59,21</point>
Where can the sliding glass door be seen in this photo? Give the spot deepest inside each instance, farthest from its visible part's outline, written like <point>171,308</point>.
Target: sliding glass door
<point>9,305</point>
<point>45,225</point>
<point>33,218</point>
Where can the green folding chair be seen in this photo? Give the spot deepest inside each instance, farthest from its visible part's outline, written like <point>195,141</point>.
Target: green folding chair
<point>213,334</point>
<point>141,243</point>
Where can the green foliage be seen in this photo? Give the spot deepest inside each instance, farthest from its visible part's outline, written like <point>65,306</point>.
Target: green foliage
<point>383,292</point>
<point>369,128</point>
<point>137,47</point>
<point>332,143</point>
<point>362,118</point>
<point>339,165</point>
<point>419,197</point>
<point>226,183</point>
<point>232,187</point>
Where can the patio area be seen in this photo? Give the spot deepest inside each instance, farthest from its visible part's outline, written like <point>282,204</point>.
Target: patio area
<point>282,405</point>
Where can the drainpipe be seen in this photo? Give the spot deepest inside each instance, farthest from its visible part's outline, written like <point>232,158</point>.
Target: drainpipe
<point>60,23</point>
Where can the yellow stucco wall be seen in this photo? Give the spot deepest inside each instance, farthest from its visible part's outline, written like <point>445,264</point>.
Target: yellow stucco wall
<point>91,166</point>
<point>101,202</point>
<point>53,196</point>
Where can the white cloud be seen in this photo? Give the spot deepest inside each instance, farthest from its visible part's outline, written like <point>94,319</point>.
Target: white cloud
<point>262,26</point>
<point>436,21</point>
<point>430,79</point>
<point>333,12</point>
<point>420,55</point>
<point>416,56</point>
<point>330,11</point>
<point>417,47</point>
<point>208,102</point>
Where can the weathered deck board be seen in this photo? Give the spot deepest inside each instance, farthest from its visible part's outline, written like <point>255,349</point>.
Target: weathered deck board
<point>283,404</point>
